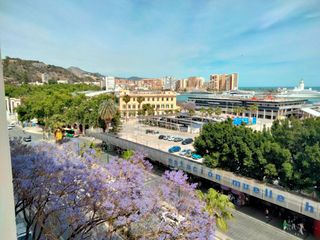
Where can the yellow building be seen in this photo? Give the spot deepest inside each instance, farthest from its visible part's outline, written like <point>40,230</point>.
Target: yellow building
<point>162,102</point>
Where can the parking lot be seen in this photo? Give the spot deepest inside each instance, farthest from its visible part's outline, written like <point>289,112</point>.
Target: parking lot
<point>136,132</point>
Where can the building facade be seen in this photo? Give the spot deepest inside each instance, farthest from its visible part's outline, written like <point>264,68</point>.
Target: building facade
<point>195,83</point>
<point>223,82</point>
<point>12,104</point>
<point>162,102</point>
<point>169,83</point>
<point>108,83</point>
<point>267,108</point>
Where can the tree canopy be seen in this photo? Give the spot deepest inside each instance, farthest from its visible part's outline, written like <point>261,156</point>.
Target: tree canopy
<point>59,105</point>
<point>287,154</point>
<point>64,191</point>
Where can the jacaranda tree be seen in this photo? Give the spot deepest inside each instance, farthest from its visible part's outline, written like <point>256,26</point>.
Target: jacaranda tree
<point>66,192</point>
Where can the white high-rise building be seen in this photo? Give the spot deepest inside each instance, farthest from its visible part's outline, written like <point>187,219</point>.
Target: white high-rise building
<point>169,83</point>
<point>109,83</point>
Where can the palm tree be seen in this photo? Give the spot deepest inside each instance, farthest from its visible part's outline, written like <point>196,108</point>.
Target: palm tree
<point>202,111</point>
<point>237,110</point>
<point>218,111</point>
<point>191,112</point>
<point>254,108</point>
<point>107,111</point>
<point>210,111</point>
<point>140,100</point>
<point>126,98</point>
<point>242,110</point>
<point>219,205</point>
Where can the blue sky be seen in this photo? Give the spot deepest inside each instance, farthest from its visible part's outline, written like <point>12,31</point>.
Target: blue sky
<point>269,43</point>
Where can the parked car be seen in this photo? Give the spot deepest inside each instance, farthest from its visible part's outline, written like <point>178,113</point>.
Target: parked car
<point>11,125</point>
<point>186,152</point>
<point>152,131</point>
<point>183,152</point>
<point>9,128</point>
<point>170,138</point>
<point>195,156</point>
<point>161,136</point>
<point>165,137</point>
<point>174,149</point>
<point>27,139</point>
<point>187,141</point>
<point>70,133</point>
<point>178,139</point>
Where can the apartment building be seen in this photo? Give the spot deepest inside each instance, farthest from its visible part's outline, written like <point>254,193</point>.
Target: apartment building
<point>223,82</point>
<point>108,83</point>
<point>162,102</point>
<point>195,83</point>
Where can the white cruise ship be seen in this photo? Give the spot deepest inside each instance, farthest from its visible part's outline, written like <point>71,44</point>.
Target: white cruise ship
<point>298,92</point>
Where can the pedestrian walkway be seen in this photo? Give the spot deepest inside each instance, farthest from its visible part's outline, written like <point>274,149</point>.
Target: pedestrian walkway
<point>248,223</point>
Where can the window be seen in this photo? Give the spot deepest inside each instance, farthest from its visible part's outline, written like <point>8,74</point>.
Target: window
<point>123,106</point>
<point>172,99</point>
<point>129,106</point>
<point>167,106</point>
<point>133,106</point>
<point>162,98</point>
<point>158,106</point>
<point>153,99</point>
<point>153,105</point>
<point>171,105</point>
<point>167,99</point>
<point>162,105</point>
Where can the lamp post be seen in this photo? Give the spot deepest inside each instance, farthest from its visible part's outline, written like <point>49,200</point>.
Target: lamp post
<point>7,224</point>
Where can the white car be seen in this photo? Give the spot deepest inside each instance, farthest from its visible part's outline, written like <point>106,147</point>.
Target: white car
<point>170,138</point>
<point>9,128</point>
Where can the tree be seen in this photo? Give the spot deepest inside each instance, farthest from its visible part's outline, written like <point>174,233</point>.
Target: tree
<point>116,123</point>
<point>219,206</point>
<point>126,98</point>
<point>148,109</point>
<point>191,112</point>
<point>140,99</point>
<point>68,192</point>
<point>203,111</point>
<point>237,110</point>
<point>210,111</point>
<point>107,112</point>
<point>217,111</point>
<point>253,108</point>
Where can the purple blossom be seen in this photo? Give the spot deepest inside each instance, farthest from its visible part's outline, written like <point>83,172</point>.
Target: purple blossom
<point>78,193</point>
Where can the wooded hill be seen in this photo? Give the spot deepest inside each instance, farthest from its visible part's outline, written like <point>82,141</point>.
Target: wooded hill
<point>17,70</point>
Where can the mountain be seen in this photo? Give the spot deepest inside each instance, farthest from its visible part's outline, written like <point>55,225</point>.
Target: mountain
<point>18,70</point>
<point>77,71</point>
<point>81,73</point>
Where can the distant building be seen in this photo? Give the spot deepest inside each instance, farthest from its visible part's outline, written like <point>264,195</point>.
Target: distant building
<point>12,104</point>
<point>109,83</point>
<point>181,85</point>
<point>44,78</point>
<point>267,108</point>
<point>161,101</point>
<point>223,82</point>
<point>150,84</point>
<point>169,83</point>
<point>195,83</point>
<point>62,81</point>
